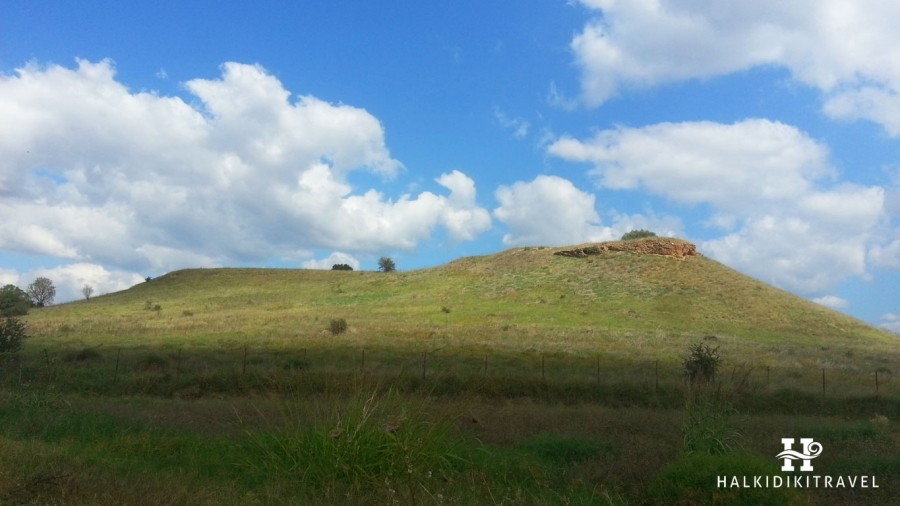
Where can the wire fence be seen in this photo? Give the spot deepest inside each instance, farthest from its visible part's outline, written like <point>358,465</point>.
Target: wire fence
<point>113,365</point>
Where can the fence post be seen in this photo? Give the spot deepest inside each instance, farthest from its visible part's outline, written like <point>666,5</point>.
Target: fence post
<point>116,373</point>
<point>598,370</point>
<point>362,362</point>
<point>823,383</point>
<point>424,363</point>
<point>542,367</point>
<point>876,383</point>
<point>244,361</point>
<point>485,364</point>
<point>768,382</point>
<point>656,376</point>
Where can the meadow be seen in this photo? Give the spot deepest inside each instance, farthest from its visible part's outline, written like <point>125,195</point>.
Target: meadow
<point>516,378</point>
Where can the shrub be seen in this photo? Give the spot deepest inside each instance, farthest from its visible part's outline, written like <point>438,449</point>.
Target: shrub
<point>14,301</point>
<point>341,267</point>
<point>337,326</point>
<point>702,364</point>
<point>637,234</point>
<point>12,334</point>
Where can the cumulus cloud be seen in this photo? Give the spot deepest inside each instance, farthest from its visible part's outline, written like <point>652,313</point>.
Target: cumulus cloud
<point>768,186</point>
<point>832,301</point>
<point>330,261</point>
<point>91,171</point>
<point>842,48</point>
<point>891,321</point>
<point>549,211</point>
<point>69,279</point>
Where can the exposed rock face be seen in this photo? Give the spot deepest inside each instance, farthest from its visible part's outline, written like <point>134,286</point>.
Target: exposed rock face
<point>651,246</point>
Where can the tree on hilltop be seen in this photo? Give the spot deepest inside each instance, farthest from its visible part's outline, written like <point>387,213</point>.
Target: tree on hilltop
<point>637,234</point>
<point>42,292</point>
<point>385,264</point>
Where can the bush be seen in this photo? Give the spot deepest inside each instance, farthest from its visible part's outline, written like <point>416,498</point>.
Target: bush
<point>702,364</point>
<point>341,267</point>
<point>337,326</point>
<point>14,301</point>
<point>12,334</point>
<point>637,234</point>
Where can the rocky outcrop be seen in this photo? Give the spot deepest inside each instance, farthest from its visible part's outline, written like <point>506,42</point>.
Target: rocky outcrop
<point>675,248</point>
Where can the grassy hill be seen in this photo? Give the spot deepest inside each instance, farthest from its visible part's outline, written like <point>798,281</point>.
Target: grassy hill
<point>616,303</point>
<point>524,377</point>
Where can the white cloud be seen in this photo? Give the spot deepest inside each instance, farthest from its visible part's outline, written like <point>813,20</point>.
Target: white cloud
<point>891,322</point>
<point>518,126</point>
<point>844,49</point>
<point>548,211</point>
<point>330,261</point>
<point>69,279</point>
<point>832,301</point>
<point>886,255</point>
<point>768,185</point>
<point>93,172</point>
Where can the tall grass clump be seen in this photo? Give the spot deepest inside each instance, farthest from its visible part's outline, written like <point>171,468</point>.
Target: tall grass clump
<point>377,448</point>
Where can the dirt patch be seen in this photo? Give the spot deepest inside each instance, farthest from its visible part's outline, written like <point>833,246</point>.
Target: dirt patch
<point>675,248</point>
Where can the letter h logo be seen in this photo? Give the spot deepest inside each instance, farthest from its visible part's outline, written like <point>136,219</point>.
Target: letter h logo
<point>811,450</point>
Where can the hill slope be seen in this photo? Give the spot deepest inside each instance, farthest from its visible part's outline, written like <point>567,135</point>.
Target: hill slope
<point>619,299</point>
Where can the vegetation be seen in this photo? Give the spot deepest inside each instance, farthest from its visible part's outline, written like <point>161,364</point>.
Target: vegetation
<point>12,335</point>
<point>337,326</point>
<point>637,234</point>
<point>14,301</point>
<point>42,292</point>
<point>702,365</point>
<point>385,264</point>
<point>87,291</point>
<point>552,381</point>
<point>341,267</point>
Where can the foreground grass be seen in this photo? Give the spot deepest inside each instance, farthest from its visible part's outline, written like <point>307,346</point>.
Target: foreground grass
<point>376,445</point>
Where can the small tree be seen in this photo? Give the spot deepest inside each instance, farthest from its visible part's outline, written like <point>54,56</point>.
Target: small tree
<point>637,234</point>
<point>12,333</point>
<point>42,292</point>
<point>385,264</point>
<point>341,267</point>
<point>14,301</point>
<point>87,291</point>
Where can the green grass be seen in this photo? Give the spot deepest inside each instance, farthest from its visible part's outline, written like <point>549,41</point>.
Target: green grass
<point>516,378</point>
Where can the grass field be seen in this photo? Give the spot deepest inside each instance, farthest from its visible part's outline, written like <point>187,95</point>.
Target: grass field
<point>516,378</point>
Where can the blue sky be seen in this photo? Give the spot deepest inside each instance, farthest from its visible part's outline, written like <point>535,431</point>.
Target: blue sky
<point>140,138</point>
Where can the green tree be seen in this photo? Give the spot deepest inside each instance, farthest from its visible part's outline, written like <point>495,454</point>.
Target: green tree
<point>637,234</point>
<point>341,267</point>
<point>385,264</point>
<point>14,301</point>
<point>42,292</point>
